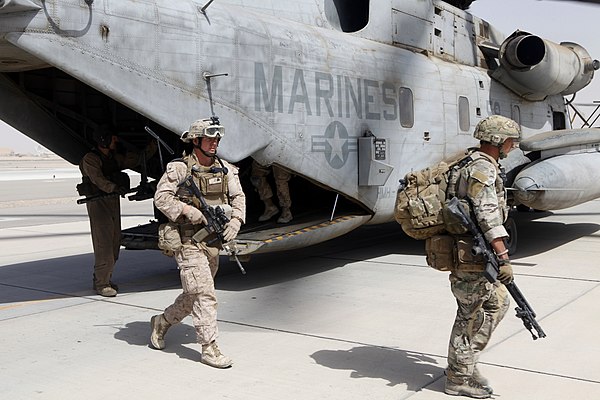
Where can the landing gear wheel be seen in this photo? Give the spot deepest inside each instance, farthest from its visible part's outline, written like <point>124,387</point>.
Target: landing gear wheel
<point>511,241</point>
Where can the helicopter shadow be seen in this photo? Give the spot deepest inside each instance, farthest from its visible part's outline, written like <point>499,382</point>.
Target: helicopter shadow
<point>536,236</point>
<point>365,243</point>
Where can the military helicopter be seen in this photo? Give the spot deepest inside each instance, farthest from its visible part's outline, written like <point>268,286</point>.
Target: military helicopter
<point>348,96</point>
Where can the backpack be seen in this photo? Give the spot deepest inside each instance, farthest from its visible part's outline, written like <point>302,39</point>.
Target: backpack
<point>421,197</point>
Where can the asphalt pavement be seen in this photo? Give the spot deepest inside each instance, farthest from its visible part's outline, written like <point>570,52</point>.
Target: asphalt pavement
<point>358,317</point>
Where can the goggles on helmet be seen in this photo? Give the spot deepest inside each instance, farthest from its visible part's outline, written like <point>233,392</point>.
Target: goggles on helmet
<point>214,131</point>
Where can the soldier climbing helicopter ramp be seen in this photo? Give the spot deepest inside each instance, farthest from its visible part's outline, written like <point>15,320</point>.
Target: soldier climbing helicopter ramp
<point>348,96</point>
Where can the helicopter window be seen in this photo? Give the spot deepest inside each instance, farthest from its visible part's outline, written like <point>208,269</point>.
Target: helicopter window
<point>347,15</point>
<point>407,108</point>
<point>463,114</point>
<point>558,120</point>
<point>516,114</point>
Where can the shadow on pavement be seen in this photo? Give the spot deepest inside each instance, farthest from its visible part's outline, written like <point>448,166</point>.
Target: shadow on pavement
<point>536,237</point>
<point>416,370</point>
<point>138,334</point>
<point>148,270</point>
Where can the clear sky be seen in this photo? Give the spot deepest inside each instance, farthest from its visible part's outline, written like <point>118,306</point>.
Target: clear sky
<point>557,21</point>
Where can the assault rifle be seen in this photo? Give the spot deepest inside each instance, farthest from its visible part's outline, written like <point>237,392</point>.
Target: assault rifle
<point>103,195</point>
<point>492,267</point>
<point>216,220</point>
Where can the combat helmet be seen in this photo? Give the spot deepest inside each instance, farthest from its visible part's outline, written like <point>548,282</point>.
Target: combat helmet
<point>103,135</point>
<point>496,129</point>
<point>207,127</point>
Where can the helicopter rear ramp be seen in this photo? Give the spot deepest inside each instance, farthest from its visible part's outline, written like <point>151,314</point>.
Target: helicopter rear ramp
<point>302,234</point>
<point>267,237</point>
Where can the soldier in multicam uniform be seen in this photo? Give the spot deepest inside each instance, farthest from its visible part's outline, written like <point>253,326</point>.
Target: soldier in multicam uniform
<point>481,305</point>
<point>198,262</point>
<point>259,180</point>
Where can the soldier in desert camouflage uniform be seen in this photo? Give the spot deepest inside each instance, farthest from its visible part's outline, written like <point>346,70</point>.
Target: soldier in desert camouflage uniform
<point>259,175</point>
<point>198,262</point>
<point>481,305</point>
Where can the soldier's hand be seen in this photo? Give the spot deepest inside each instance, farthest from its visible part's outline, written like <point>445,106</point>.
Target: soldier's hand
<point>121,191</point>
<point>194,215</point>
<point>231,229</point>
<point>505,275</point>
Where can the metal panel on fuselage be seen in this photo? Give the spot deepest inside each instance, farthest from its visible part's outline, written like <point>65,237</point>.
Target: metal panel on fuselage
<point>297,95</point>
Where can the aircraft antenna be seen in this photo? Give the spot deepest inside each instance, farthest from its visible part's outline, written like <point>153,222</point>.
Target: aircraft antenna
<point>159,141</point>
<point>203,9</point>
<point>207,77</point>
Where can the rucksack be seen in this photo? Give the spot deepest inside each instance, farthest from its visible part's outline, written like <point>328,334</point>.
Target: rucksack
<point>421,197</point>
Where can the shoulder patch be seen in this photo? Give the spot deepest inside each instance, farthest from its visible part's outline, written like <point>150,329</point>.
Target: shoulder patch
<point>175,164</point>
<point>480,176</point>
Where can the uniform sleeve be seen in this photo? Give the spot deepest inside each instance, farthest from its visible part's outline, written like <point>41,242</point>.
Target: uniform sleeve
<point>91,166</point>
<point>484,199</point>
<point>165,197</point>
<point>237,198</point>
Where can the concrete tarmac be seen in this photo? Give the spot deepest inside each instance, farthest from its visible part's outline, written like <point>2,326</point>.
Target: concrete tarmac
<point>359,317</point>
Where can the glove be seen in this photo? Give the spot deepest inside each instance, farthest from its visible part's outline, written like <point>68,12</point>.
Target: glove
<point>121,191</point>
<point>194,215</point>
<point>505,275</point>
<point>231,229</point>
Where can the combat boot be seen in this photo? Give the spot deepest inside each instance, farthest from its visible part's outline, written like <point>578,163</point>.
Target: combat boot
<point>285,217</point>
<point>270,211</point>
<point>211,355</point>
<point>483,381</point>
<point>159,326</point>
<point>110,283</point>
<point>466,386</point>
<point>106,291</point>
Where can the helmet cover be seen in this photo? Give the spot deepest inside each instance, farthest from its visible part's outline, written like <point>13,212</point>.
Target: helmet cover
<point>207,127</point>
<point>496,129</point>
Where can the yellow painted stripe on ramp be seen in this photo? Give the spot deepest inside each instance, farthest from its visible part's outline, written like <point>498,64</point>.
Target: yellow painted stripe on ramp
<point>310,228</point>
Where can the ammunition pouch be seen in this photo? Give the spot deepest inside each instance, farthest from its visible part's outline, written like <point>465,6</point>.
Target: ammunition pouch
<point>453,253</point>
<point>440,252</point>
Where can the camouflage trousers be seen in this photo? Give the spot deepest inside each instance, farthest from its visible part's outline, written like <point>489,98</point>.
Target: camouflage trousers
<point>197,271</point>
<point>481,306</point>
<point>259,180</point>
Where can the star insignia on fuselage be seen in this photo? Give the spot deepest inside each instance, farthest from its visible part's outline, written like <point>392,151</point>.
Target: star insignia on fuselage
<point>335,144</point>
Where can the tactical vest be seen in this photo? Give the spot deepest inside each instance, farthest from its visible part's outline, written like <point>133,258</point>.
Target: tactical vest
<point>454,252</point>
<point>110,169</point>
<point>212,182</point>
<point>457,187</point>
